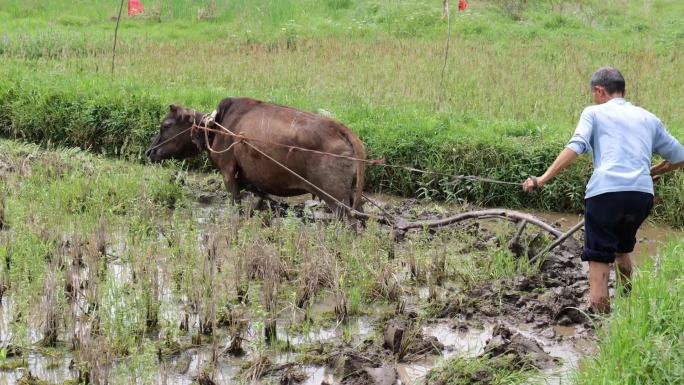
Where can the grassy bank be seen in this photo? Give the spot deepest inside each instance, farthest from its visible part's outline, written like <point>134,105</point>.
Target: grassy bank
<point>121,123</point>
<point>642,342</point>
<point>515,80</point>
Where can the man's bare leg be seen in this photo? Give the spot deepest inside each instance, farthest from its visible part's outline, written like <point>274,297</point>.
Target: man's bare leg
<point>624,271</point>
<point>598,286</point>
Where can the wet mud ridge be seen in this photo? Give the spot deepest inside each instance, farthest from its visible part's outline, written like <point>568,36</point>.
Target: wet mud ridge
<point>556,296</point>
<point>533,323</point>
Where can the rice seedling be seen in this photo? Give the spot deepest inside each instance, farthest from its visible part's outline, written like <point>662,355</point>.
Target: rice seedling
<point>50,307</point>
<point>256,370</point>
<point>387,285</point>
<point>238,323</point>
<point>3,221</point>
<point>270,287</point>
<point>316,274</point>
<point>340,295</point>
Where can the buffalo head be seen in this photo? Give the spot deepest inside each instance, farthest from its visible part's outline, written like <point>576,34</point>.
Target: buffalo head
<point>173,140</point>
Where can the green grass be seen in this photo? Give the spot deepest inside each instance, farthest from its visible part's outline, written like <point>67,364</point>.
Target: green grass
<point>642,341</point>
<point>515,83</point>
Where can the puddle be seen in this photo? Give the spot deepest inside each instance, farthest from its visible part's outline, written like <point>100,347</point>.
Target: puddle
<point>469,343</point>
<point>6,311</point>
<point>564,331</point>
<point>415,373</point>
<point>184,369</point>
<point>359,328</point>
<point>567,351</point>
<point>53,370</point>
<point>317,375</point>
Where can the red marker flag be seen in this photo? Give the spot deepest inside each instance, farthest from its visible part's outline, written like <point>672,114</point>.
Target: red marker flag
<point>462,5</point>
<point>135,7</point>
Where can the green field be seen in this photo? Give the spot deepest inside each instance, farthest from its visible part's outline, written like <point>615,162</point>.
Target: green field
<point>82,211</point>
<point>514,85</point>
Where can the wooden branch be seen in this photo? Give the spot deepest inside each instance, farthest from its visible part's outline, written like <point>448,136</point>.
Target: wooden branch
<point>560,240</point>
<point>513,216</point>
<point>518,233</point>
<point>116,33</point>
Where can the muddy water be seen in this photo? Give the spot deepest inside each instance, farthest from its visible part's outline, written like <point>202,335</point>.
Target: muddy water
<point>54,370</point>
<point>471,343</point>
<point>467,343</point>
<point>566,343</point>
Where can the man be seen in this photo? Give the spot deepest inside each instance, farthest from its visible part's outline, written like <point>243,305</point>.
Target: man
<point>619,196</point>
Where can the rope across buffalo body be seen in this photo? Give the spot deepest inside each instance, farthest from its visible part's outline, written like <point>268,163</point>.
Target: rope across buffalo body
<point>372,162</point>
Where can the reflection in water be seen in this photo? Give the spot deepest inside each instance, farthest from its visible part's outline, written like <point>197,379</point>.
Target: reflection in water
<point>357,327</point>
<point>54,370</point>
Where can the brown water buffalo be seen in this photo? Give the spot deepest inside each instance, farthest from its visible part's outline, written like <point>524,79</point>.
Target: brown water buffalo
<point>243,167</point>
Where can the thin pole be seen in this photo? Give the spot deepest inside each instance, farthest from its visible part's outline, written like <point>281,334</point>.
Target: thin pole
<point>448,39</point>
<point>558,241</point>
<point>116,33</point>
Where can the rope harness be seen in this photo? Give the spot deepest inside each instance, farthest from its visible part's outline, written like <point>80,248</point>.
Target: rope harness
<point>239,138</point>
<point>373,162</point>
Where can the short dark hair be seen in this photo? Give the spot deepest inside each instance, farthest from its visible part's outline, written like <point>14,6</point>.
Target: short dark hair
<point>609,78</point>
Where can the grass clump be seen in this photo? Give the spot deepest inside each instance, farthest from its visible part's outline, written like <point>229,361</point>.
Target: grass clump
<point>501,370</point>
<point>642,341</point>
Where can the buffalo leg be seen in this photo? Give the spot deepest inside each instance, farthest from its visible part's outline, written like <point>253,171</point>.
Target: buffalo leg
<point>339,211</point>
<point>231,183</point>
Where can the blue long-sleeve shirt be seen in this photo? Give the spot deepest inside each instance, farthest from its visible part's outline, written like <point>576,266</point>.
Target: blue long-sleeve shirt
<point>622,138</point>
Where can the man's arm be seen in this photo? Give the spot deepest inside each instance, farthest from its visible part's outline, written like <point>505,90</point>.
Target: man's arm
<point>580,143</point>
<point>664,167</point>
<point>667,146</point>
<point>564,159</point>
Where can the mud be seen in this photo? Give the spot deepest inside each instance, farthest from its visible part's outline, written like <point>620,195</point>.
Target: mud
<point>361,367</point>
<point>406,340</point>
<point>524,321</point>
<point>555,296</point>
<point>518,348</point>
